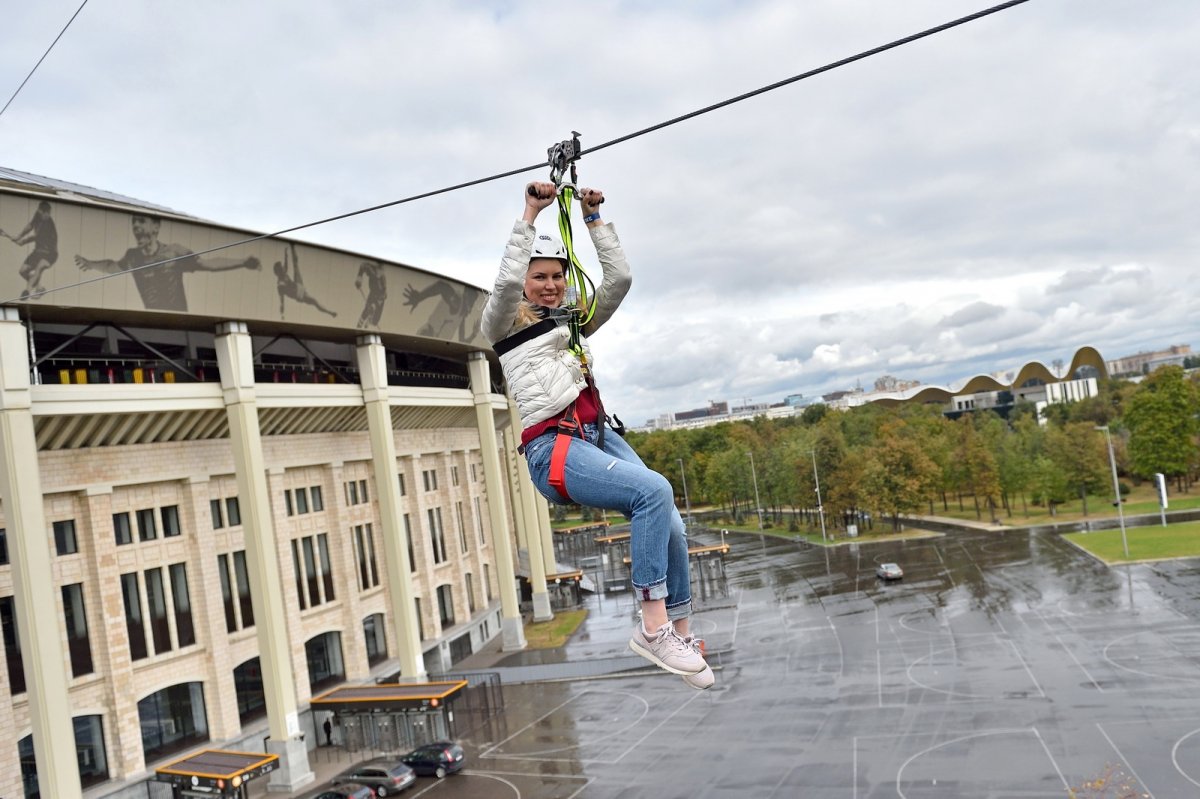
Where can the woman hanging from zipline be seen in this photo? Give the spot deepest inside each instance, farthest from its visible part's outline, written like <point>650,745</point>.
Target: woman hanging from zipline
<point>538,325</point>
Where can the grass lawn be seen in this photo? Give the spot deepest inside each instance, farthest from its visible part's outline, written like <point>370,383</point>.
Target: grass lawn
<point>554,633</point>
<point>1142,499</point>
<point>1145,543</point>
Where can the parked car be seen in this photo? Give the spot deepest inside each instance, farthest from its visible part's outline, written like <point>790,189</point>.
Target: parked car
<point>436,759</point>
<point>889,571</point>
<point>351,790</point>
<point>386,777</point>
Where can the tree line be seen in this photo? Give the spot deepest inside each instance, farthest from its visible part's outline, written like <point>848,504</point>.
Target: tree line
<point>874,462</point>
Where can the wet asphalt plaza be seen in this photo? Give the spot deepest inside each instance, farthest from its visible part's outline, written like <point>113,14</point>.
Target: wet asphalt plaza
<point>1005,664</point>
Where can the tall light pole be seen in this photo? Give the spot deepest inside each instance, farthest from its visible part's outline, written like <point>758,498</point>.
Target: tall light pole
<point>757,504</point>
<point>687,502</point>
<point>820,510</point>
<point>1112,460</point>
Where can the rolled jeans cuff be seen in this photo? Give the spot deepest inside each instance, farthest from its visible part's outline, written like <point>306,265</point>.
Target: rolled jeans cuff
<point>681,610</point>
<point>655,590</point>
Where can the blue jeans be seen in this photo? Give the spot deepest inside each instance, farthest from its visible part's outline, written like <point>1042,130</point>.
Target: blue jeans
<point>616,479</point>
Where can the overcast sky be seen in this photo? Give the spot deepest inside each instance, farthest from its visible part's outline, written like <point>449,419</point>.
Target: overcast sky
<point>1005,191</point>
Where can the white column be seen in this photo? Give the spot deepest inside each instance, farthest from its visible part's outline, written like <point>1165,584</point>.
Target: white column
<point>526,515</point>
<point>372,368</point>
<point>235,359</point>
<point>512,633</point>
<point>34,603</point>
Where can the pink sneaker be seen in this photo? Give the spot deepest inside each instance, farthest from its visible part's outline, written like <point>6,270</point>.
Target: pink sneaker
<point>703,679</point>
<point>666,649</point>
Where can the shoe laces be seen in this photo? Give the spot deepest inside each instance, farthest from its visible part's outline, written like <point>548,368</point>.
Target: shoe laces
<point>695,643</point>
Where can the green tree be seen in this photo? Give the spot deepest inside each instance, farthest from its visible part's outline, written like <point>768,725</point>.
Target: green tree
<point>1081,456</point>
<point>897,474</point>
<point>1161,417</point>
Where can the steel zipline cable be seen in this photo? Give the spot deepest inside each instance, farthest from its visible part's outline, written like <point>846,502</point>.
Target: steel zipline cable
<point>43,58</point>
<point>512,172</point>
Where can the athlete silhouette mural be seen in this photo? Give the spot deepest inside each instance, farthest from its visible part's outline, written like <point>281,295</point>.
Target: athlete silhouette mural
<point>291,284</point>
<point>161,287</point>
<point>455,315</point>
<point>42,233</point>
<point>374,297</point>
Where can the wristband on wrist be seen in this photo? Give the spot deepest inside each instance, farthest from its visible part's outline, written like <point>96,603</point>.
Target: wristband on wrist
<point>592,218</point>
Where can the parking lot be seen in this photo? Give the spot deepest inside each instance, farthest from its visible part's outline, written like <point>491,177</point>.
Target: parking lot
<point>1004,664</point>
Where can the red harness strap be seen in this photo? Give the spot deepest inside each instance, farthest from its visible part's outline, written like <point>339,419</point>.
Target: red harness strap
<point>568,428</point>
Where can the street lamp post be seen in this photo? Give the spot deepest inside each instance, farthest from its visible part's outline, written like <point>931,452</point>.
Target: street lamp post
<point>1112,460</point>
<point>687,502</point>
<point>820,509</point>
<point>757,503</point>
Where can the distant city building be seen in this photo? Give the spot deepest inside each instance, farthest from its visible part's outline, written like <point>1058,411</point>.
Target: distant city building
<point>1145,362</point>
<point>889,383</point>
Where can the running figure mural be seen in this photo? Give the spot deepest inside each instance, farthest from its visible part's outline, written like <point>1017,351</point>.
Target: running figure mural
<point>376,294</point>
<point>161,287</point>
<point>292,285</point>
<point>44,236</point>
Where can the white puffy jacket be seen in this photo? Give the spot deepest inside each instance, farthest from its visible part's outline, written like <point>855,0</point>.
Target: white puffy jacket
<point>544,376</point>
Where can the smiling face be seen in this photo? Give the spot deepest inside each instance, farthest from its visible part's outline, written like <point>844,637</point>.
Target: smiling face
<point>545,282</point>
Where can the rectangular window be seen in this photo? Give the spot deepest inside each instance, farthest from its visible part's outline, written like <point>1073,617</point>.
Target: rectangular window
<point>310,571</point>
<point>299,577</point>
<point>371,556</point>
<point>420,620</point>
<point>122,530</point>
<point>362,491</point>
<point>437,538</point>
<point>170,520</point>
<point>64,537</point>
<point>12,646</point>
<point>474,476</point>
<point>245,605</point>
<point>445,606</point>
<point>361,546</point>
<point>487,582</point>
<point>147,531</point>
<point>430,477</point>
<point>479,522</point>
<point>462,527</point>
<point>134,624</point>
<point>301,500</point>
<point>156,599</point>
<point>227,593</point>
<point>185,632</point>
<point>403,492</point>
<point>326,568</point>
<point>287,499</point>
<point>352,493</point>
<point>75,617</point>
<point>3,547</point>
<point>408,538</point>
<point>214,508</point>
<point>233,511</point>
<point>318,502</point>
<point>470,595</point>
<point>454,476</point>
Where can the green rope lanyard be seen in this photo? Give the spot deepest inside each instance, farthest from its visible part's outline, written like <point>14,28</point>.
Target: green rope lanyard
<point>583,306</point>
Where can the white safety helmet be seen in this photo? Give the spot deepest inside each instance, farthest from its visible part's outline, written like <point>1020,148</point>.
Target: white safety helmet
<point>547,246</point>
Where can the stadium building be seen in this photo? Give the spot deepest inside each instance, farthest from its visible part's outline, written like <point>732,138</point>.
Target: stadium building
<point>230,482</point>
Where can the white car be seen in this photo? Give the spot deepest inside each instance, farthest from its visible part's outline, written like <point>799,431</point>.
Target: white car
<point>889,571</point>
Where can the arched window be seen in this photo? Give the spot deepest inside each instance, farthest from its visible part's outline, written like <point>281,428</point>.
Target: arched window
<point>324,655</point>
<point>89,750</point>
<point>376,638</point>
<point>173,719</point>
<point>248,685</point>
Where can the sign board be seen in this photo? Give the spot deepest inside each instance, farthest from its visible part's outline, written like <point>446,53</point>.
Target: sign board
<point>1160,482</point>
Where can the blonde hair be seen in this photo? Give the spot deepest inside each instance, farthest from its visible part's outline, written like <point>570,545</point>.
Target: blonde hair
<point>526,315</point>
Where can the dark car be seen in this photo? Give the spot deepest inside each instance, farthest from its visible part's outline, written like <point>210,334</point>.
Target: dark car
<point>386,777</point>
<point>351,790</point>
<point>889,571</point>
<point>436,759</point>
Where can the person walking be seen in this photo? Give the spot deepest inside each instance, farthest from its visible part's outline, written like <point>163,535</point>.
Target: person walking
<point>527,319</point>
